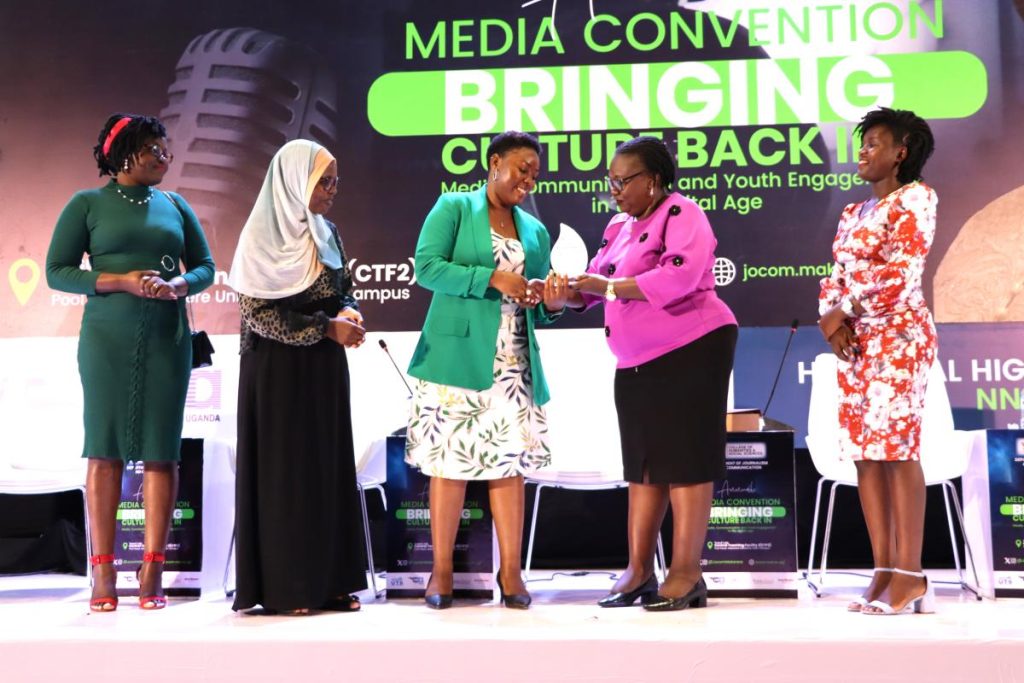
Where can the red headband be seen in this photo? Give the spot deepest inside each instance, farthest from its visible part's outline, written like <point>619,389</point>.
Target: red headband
<point>117,128</point>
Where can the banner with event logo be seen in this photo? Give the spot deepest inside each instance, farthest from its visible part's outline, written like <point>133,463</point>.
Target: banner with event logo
<point>1006,500</point>
<point>410,550</point>
<point>751,544</point>
<point>184,543</point>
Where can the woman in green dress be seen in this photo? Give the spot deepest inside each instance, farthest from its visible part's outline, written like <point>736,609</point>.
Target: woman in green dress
<point>146,252</point>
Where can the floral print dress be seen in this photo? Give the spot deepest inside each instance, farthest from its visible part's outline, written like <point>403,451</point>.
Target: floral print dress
<point>457,433</point>
<point>880,256</point>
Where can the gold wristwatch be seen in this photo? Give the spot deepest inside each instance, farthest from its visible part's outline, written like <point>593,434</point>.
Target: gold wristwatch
<point>609,292</point>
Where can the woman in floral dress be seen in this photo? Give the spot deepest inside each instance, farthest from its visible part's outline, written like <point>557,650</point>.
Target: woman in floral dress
<point>874,316</point>
<point>477,412</point>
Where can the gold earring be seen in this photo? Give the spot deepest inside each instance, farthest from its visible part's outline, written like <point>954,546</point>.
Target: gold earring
<point>494,176</point>
<point>650,192</point>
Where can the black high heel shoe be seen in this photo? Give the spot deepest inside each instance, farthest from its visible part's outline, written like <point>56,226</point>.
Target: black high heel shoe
<point>437,600</point>
<point>517,601</point>
<point>697,597</point>
<point>646,591</point>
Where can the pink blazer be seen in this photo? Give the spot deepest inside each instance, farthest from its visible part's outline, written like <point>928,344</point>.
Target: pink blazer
<point>671,254</point>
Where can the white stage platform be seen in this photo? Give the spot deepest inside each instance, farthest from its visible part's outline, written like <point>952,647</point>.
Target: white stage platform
<point>47,634</point>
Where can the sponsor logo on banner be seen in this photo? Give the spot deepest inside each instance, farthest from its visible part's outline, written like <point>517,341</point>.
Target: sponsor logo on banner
<point>382,282</point>
<point>204,389</point>
<point>203,401</point>
<point>746,451</point>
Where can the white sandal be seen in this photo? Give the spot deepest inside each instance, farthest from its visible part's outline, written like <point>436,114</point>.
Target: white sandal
<point>859,602</point>
<point>923,604</point>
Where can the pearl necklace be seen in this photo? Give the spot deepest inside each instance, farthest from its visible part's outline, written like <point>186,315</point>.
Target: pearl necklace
<point>140,202</point>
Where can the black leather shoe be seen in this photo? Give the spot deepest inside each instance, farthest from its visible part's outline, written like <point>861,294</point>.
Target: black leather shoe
<point>518,601</point>
<point>697,597</point>
<point>647,591</point>
<point>437,600</point>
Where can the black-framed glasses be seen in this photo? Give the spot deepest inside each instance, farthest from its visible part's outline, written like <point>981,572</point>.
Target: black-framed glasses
<point>619,184</point>
<point>328,183</point>
<point>159,152</point>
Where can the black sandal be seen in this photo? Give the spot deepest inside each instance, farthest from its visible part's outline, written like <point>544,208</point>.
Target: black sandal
<point>272,612</point>
<point>343,603</point>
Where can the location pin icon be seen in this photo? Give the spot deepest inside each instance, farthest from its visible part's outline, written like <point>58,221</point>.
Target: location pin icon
<point>23,285</point>
<point>1019,543</point>
<point>711,545</point>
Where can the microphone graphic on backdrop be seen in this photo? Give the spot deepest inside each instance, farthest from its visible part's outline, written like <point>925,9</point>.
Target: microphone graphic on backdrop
<point>391,358</point>
<point>239,94</point>
<point>768,422</point>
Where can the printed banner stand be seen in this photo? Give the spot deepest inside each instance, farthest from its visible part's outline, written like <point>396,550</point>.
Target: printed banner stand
<point>751,546</point>
<point>410,552</point>
<point>1006,508</point>
<point>184,543</point>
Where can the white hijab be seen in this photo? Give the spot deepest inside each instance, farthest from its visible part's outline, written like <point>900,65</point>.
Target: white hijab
<point>284,246</point>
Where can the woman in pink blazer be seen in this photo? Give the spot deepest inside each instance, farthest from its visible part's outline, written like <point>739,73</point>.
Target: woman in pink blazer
<point>674,340</point>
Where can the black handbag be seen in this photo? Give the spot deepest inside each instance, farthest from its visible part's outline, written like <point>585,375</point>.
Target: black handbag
<point>202,350</point>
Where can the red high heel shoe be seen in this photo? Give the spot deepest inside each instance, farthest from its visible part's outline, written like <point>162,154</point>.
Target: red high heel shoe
<point>150,601</point>
<point>107,603</point>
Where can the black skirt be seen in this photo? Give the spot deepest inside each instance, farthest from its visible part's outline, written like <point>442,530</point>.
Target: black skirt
<point>299,523</point>
<point>672,412</point>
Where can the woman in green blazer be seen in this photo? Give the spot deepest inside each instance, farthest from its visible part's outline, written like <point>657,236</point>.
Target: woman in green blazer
<point>477,412</point>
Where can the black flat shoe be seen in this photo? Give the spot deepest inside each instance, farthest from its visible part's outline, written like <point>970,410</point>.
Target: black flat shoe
<point>697,597</point>
<point>647,591</point>
<point>518,601</point>
<point>438,600</point>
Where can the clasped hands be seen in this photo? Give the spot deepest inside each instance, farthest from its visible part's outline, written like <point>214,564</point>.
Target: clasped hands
<point>838,332</point>
<point>148,284</point>
<point>554,291</point>
<point>346,329</point>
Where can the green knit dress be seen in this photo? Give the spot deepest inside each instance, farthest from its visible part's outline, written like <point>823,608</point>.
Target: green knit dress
<point>134,354</point>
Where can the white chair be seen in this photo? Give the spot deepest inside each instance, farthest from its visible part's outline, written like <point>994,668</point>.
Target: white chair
<point>577,481</point>
<point>945,453</point>
<point>371,473</point>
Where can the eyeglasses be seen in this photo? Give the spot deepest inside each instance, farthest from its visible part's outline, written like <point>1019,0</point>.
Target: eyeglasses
<point>619,184</point>
<point>159,152</point>
<point>328,183</point>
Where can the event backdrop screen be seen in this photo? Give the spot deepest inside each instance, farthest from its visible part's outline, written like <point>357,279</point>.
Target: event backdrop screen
<point>757,100</point>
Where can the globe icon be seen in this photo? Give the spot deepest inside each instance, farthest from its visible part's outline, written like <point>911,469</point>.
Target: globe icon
<point>724,271</point>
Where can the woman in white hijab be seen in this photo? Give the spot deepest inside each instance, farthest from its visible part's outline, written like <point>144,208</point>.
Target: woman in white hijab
<point>297,516</point>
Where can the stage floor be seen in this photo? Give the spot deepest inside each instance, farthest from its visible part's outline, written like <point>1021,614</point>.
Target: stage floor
<point>47,634</point>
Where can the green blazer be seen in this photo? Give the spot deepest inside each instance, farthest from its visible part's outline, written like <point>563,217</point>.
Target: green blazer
<point>455,261</point>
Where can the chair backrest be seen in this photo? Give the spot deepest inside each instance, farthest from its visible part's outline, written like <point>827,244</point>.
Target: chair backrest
<point>945,452</point>
<point>372,465</point>
<point>823,421</point>
<point>41,404</point>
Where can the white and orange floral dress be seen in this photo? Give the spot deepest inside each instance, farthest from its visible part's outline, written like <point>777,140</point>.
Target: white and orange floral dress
<point>880,254</point>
